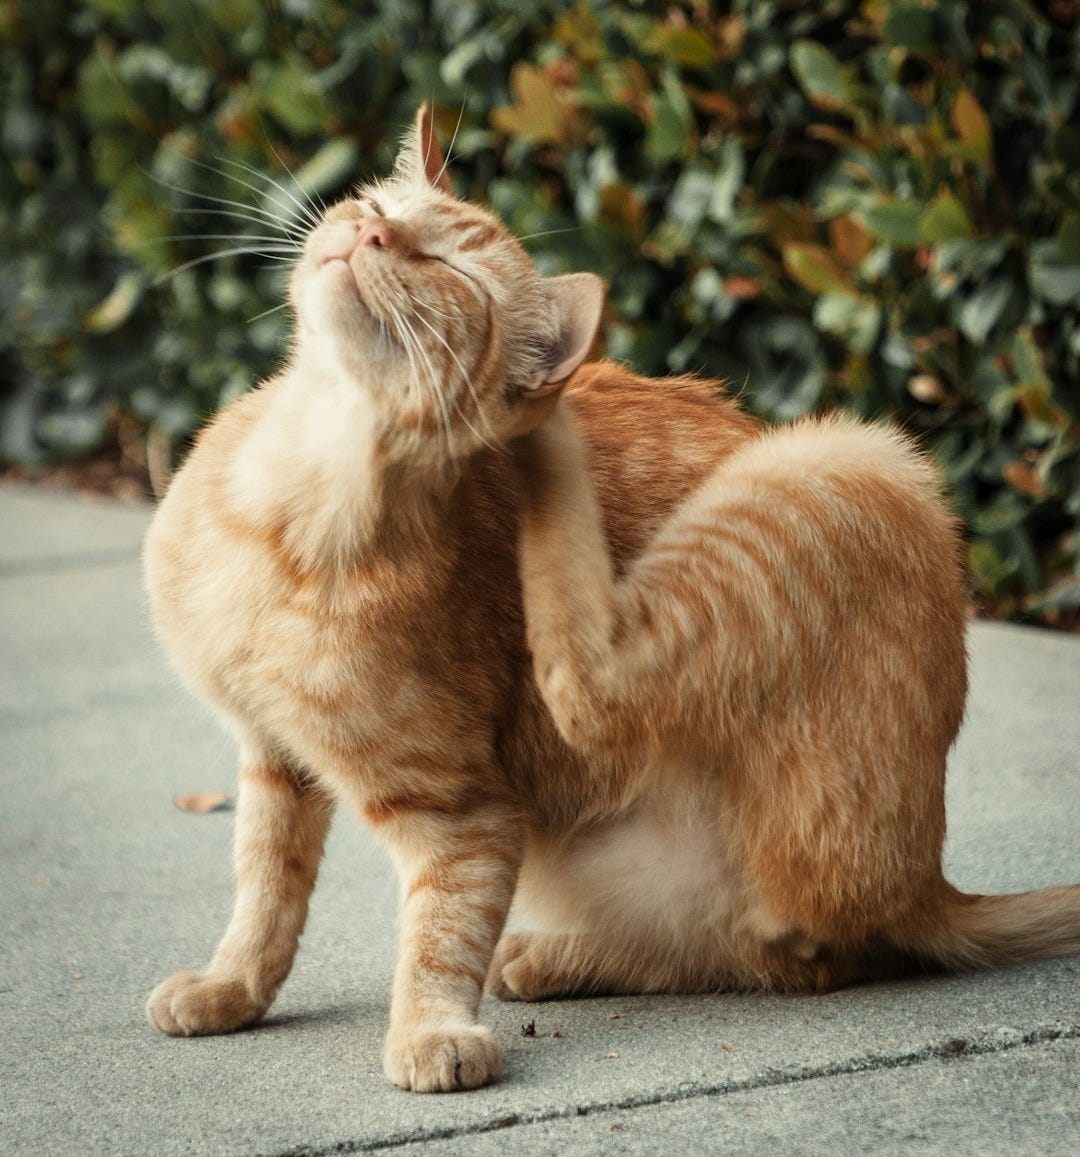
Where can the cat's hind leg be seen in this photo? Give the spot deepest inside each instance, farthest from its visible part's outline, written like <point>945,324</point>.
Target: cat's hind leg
<point>646,901</point>
<point>280,830</point>
<point>542,966</point>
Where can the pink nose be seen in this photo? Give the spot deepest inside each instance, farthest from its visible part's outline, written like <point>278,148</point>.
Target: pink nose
<point>375,232</point>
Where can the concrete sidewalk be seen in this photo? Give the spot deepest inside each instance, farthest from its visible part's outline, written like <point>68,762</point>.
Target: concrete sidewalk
<point>106,888</point>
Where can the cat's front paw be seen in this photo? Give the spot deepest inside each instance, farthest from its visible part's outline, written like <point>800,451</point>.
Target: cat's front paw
<point>195,1004</point>
<point>442,1060</point>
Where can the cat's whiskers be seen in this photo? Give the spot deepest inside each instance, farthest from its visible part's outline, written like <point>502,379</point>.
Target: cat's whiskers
<point>320,206</point>
<point>280,238</point>
<point>413,351</point>
<point>244,210</point>
<point>450,150</point>
<point>284,219</point>
<point>465,377</point>
<point>417,308</point>
<point>435,390</point>
<point>276,242</point>
<point>307,210</point>
<point>548,233</point>
<point>285,254</point>
<point>239,211</point>
<point>267,312</point>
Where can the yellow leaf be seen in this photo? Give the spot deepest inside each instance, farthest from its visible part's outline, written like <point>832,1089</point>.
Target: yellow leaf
<point>972,125</point>
<point>815,268</point>
<point>203,802</point>
<point>111,313</point>
<point>536,113</point>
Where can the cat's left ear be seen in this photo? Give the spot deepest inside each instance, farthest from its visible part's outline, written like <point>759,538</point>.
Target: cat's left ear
<point>577,300</point>
<point>429,156</point>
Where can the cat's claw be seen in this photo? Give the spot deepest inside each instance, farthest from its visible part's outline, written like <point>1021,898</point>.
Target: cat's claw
<point>442,1060</point>
<point>194,1004</point>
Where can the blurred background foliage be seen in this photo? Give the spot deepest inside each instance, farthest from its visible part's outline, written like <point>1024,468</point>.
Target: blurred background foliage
<point>873,205</point>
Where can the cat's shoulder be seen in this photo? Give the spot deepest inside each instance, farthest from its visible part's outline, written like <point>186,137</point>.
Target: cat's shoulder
<point>609,386</point>
<point>619,408</point>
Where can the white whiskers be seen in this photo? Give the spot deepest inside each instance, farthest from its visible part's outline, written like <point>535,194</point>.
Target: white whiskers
<point>277,236</point>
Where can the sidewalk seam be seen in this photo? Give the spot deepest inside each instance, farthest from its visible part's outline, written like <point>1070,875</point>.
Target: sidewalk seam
<point>1000,1041</point>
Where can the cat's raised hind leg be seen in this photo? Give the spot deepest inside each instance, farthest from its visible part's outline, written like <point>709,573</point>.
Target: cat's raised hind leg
<point>280,830</point>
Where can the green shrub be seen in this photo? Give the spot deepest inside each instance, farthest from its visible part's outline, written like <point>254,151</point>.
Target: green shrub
<point>874,205</point>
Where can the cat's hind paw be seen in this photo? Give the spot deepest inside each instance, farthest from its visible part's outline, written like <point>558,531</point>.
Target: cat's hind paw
<point>442,1060</point>
<point>522,968</point>
<point>195,1004</point>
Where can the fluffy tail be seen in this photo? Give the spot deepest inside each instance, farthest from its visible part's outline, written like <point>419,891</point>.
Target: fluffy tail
<point>969,932</point>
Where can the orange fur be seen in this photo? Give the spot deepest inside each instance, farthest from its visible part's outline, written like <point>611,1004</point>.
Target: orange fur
<point>718,760</point>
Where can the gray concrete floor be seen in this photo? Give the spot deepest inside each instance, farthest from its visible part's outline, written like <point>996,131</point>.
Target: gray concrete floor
<point>105,888</point>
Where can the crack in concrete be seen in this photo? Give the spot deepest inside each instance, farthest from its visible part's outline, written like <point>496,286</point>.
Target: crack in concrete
<point>1000,1040</point>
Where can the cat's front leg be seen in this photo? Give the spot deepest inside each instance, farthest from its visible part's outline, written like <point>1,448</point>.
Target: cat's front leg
<point>280,830</point>
<point>458,876</point>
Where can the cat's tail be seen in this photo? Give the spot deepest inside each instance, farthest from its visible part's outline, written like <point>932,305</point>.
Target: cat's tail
<point>969,931</point>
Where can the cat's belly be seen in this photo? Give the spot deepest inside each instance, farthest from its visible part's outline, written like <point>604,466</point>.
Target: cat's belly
<point>659,872</point>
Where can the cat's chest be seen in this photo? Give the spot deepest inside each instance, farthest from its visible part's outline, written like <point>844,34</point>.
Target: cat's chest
<point>346,656</point>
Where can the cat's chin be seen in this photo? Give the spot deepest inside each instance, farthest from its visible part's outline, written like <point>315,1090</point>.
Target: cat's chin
<point>341,275</point>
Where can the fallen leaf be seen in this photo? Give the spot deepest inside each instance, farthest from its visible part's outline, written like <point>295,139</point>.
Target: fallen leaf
<point>616,1015</point>
<point>529,1029</point>
<point>203,802</point>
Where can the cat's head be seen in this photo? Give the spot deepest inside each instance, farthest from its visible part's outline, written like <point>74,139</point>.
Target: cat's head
<point>429,305</point>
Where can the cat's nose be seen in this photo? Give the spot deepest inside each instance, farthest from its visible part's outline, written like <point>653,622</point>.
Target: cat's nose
<point>372,231</point>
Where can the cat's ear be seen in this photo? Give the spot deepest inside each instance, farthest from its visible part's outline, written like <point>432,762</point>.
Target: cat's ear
<point>577,301</point>
<point>428,156</point>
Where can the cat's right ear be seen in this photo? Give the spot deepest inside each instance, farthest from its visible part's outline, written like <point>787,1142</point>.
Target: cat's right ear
<point>578,303</point>
<point>429,158</point>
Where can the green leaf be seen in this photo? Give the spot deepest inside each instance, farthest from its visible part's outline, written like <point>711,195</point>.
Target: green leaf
<point>691,198</point>
<point>331,166</point>
<point>855,321</point>
<point>730,174</point>
<point>290,92</point>
<point>893,220</point>
<point>944,219</point>
<point>983,309</point>
<point>668,134</point>
<point>1053,279</point>
<point>988,566</point>
<point>688,47</point>
<point>909,26</point>
<point>824,80</point>
<point>1068,238</point>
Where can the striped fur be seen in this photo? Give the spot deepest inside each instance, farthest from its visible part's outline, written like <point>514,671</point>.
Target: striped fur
<point>717,759</point>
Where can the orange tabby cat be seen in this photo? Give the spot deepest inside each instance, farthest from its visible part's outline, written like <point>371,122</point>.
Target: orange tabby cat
<point>748,646</point>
